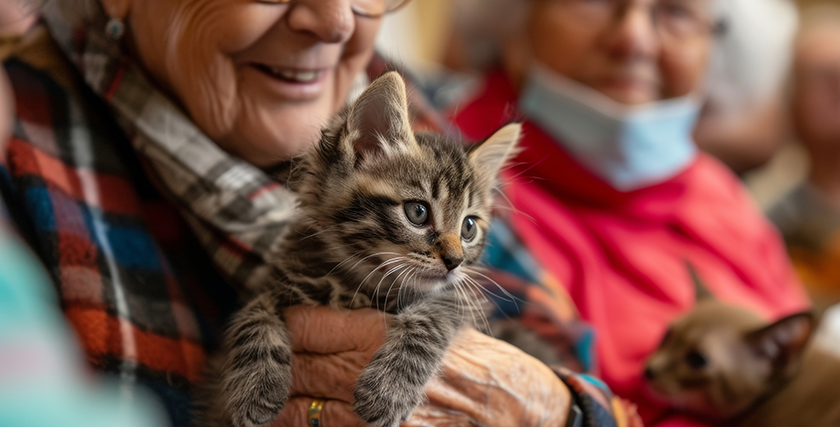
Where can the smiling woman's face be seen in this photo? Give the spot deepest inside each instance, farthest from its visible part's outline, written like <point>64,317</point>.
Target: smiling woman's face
<point>628,57</point>
<point>259,78</point>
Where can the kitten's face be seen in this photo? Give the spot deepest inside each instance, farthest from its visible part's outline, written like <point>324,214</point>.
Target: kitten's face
<point>718,359</point>
<point>413,208</point>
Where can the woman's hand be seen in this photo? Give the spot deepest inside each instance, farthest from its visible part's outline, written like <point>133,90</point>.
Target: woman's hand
<point>483,381</point>
<point>489,382</point>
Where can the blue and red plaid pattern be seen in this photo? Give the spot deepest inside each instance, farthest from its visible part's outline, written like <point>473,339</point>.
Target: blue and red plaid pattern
<point>126,269</point>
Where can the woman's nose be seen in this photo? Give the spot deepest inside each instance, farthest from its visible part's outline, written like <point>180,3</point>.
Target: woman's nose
<point>634,33</point>
<point>332,21</point>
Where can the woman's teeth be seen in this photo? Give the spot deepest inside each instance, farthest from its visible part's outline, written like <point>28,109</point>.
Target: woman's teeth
<point>292,75</point>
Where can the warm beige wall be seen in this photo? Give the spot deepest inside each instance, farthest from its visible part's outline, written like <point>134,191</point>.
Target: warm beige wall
<point>417,33</point>
<point>433,18</point>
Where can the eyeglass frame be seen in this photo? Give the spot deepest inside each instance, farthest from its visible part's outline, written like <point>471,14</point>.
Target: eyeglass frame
<point>355,11</point>
<point>718,26</point>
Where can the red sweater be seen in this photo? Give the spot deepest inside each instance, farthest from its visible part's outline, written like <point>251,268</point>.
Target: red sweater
<point>621,256</point>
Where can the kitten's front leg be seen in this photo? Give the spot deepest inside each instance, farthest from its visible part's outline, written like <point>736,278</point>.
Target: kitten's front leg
<point>257,372</point>
<point>393,384</point>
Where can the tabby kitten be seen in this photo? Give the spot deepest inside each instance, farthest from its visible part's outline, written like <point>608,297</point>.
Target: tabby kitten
<point>388,219</point>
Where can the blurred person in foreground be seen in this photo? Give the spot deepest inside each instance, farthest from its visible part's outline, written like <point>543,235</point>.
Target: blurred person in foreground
<point>809,216</point>
<point>144,135</point>
<point>610,197</point>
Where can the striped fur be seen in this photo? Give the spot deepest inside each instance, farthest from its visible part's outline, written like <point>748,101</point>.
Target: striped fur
<point>354,246</point>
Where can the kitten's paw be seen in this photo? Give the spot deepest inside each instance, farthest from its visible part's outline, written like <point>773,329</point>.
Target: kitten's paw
<point>256,395</point>
<point>384,399</point>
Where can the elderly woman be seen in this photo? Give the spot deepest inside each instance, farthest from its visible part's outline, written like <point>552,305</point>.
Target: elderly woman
<point>141,136</point>
<point>610,198</point>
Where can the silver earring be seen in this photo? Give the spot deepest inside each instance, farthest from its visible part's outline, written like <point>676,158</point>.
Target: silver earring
<point>115,29</point>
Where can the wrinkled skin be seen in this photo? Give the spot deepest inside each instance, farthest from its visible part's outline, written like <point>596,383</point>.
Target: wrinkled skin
<point>483,382</point>
<point>208,54</point>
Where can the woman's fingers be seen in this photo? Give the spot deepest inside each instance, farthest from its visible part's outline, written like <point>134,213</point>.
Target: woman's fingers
<point>327,375</point>
<point>325,330</point>
<point>333,414</point>
<point>331,347</point>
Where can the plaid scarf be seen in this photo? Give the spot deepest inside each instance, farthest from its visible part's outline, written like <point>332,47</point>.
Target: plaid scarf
<point>131,280</point>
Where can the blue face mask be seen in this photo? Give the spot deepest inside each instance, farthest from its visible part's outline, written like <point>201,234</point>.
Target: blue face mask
<point>628,147</point>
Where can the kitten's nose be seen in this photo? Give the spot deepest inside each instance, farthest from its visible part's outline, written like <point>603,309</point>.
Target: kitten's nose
<point>452,260</point>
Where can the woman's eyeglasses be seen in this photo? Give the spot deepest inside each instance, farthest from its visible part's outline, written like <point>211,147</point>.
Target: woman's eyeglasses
<point>674,18</point>
<point>365,8</point>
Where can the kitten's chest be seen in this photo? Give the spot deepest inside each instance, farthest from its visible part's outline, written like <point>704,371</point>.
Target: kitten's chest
<point>334,292</point>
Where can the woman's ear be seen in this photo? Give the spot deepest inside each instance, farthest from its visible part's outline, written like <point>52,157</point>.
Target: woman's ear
<point>117,9</point>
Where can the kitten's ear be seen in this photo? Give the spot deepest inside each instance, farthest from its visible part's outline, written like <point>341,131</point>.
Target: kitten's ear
<point>783,341</point>
<point>378,123</point>
<point>701,292</point>
<point>492,153</point>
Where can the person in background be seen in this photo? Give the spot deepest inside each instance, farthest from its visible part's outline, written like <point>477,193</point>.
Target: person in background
<point>145,134</point>
<point>809,216</point>
<point>610,198</point>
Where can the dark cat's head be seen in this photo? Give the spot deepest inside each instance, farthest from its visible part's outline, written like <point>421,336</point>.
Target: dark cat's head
<point>718,359</point>
<point>414,207</point>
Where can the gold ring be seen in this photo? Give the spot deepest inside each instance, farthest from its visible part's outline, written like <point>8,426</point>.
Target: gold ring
<point>314,414</point>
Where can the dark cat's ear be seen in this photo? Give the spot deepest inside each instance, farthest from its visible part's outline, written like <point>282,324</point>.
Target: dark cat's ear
<point>492,153</point>
<point>378,123</point>
<point>783,342</point>
<point>701,292</point>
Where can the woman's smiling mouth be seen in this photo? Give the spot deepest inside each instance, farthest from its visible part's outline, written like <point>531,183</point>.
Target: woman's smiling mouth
<point>293,83</point>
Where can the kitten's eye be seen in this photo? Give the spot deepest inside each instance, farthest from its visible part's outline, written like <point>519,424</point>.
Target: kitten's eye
<point>695,360</point>
<point>469,229</point>
<point>416,212</point>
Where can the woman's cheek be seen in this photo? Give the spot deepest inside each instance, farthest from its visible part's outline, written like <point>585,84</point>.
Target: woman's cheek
<point>180,48</point>
<point>204,76</point>
<point>684,68</point>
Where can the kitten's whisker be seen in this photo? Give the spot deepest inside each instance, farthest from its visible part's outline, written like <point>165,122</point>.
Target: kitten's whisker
<point>466,301</point>
<point>510,206</point>
<point>459,301</point>
<point>376,291</point>
<point>471,283</point>
<point>483,289</point>
<point>388,294</point>
<point>509,295</point>
<point>370,256</point>
<point>386,262</point>
<point>343,262</point>
<point>407,281</point>
<point>315,234</point>
<point>463,299</point>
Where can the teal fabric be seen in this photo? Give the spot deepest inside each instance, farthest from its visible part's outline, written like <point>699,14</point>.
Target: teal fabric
<point>43,378</point>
